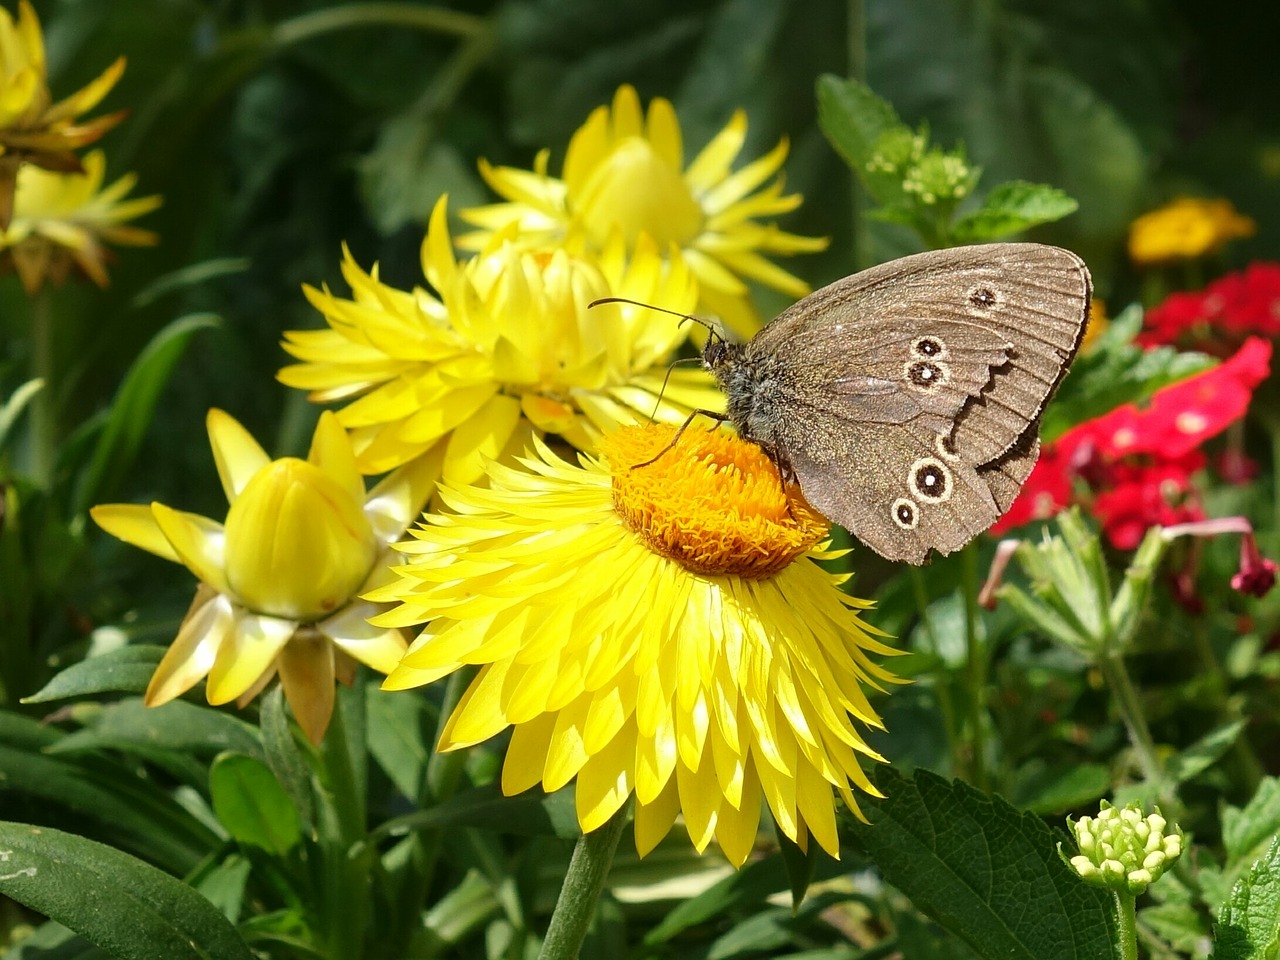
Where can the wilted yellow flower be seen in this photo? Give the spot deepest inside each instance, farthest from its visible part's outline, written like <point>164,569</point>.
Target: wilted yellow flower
<point>34,129</point>
<point>1186,228</point>
<point>508,346</point>
<point>624,173</point>
<point>62,220</point>
<point>280,579</point>
<point>662,629</point>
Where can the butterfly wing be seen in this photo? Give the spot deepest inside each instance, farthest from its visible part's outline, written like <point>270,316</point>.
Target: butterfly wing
<point>905,398</point>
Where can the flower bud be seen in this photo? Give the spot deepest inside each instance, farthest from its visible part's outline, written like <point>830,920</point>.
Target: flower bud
<point>1121,849</point>
<point>298,544</point>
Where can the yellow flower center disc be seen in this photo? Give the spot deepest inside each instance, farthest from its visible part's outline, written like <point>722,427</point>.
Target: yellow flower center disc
<point>711,501</point>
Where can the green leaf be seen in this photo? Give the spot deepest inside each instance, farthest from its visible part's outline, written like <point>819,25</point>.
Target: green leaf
<point>853,119</point>
<point>121,904</point>
<point>177,725</point>
<point>132,408</point>
<point>1248,926</point>
<point>746,888</point>
<point>398,739</point>
<point>252,805</point>
<point>1204,752</point>
<point>801,865</point>
<point>103,798</point>
<point>125,669</point>
<point>283,756</point>
<point>982,870</point>
<point>1246,831</point>
<point>1044,790</point>
<point>530,814</point>
<point>1011,208</point>
<point>1115,372</point>
<point>12,408</point>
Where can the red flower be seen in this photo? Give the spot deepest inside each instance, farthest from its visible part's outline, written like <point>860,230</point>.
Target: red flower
<point>1219,317</point>
<point>1136,464</point>
<point>1257,573</point>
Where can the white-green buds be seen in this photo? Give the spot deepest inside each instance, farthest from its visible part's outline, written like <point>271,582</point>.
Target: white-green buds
<point>1120,849</point>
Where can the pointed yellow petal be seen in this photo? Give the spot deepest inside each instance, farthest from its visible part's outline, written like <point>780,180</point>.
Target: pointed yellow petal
<point>249,651</point>
<point>193,652</point>
<point>306,673</point>
<point>136,525</point>
<point>238,456</point>
<point>199,542</point>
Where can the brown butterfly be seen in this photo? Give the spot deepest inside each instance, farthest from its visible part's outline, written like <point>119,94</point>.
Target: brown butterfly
<point>905,400</point>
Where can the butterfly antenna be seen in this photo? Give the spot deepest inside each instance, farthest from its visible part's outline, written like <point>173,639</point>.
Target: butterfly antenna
<point>710,327</point>
<point>670,368</point>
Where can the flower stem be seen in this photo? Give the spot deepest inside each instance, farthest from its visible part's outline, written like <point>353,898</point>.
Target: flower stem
<point>1126,925</point>
<point>412,15</point>
<point>1130,708</point>
<point>576,906</point>
<point>976,667</point>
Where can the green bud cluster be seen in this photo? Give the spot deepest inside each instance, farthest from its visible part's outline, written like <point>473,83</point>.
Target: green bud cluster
<point>1120,849</point>
<point>939,176</point>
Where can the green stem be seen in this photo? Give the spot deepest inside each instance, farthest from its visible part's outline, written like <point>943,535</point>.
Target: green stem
<point>412,15</point>
<point>1130,709</point>
<point>1126,925</point>
<point>43,445</point>
<point>976,667</point>
<point>588,870</point>
<point>942,685</point>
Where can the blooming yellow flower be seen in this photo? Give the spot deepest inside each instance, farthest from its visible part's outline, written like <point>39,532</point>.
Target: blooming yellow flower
<point>624,173</point>
<point>280,579</point>
<point>655,627</point>
<point>508,346</point>
<point>62,220</point>
<point>34,129</point>
<point>1186,228</point>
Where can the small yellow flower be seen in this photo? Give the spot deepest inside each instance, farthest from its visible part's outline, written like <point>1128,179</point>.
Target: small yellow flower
<point>508,347</point>
<point>654,628</point>
<point>1186,228</point>
<point>34,129</point>
<point>280,580</point>
<point>63,220</point>
<point>624,173</point>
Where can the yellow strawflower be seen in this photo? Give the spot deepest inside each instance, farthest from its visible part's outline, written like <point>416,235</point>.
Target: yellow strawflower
<point>625,174</point>
<point>504,347</point>
<point>280,578</point>
<point>34,129</point>
<point>63,221</point>
<point>665,631</point>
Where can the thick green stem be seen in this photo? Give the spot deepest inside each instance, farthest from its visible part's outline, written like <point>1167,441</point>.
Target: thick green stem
<point>588,870</point>
<point>1126,925</point>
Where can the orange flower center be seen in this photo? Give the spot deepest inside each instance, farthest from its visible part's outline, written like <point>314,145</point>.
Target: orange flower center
<point>710,501</point>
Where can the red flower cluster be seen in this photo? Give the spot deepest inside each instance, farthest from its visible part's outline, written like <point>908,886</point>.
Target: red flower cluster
<point>1219,318</point>
<point>1135,465</point>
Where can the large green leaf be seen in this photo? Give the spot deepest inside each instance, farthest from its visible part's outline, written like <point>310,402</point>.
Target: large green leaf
<point>177,725</point>
<point>982,870</point>
<point>113,900</point>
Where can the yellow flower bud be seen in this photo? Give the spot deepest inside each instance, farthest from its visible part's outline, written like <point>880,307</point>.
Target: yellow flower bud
<point>298,544</point>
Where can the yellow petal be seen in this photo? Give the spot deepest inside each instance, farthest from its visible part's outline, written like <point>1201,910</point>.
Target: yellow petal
<point>136,525</point>
<point>199,542</point>
<point>194,651</point>
<point>249,650</point>
<point>237,455</point>
<point>306,673</point>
